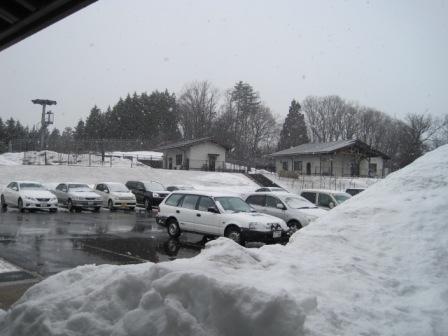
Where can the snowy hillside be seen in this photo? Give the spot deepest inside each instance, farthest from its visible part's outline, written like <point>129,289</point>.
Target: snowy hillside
<point>201,180</point>
<point>320,182</point>
<point>375,265</point>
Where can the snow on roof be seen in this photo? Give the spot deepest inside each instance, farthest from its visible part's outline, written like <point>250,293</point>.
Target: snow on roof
<point>328,148</point>
<point>188,143</point>
<point>374,265</point>
<point>329,191</point>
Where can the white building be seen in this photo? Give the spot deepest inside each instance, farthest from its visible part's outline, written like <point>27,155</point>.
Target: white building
<point>338,158</point>
<point>197,154</point>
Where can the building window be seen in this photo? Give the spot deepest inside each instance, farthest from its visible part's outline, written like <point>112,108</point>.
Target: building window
<point>285,165</point>
<point>178,159</point>
<point>298,166</point>
<point>372,168</point>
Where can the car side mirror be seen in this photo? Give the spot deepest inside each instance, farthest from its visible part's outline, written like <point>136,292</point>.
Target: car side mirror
<point>106,191</point>
<point>280,206</point>
<point>212,210</point>
<point>331,205</point>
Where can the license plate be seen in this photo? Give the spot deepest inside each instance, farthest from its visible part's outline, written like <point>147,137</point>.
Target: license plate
<point>124,205</point>
<point>276,234</point>
<point>43,205</point>
<point>90,203</point>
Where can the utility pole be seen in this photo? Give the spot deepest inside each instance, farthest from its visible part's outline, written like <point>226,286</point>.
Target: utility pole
<point>46,118</point>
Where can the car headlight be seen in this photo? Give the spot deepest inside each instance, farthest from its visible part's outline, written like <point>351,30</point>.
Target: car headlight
<point>53,199</point>
<point>77,198</point>
<point>155,195</point>
<point>30,199</point>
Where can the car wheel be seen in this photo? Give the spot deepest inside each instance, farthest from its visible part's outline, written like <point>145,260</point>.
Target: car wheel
<point>3,203</point>
<point>294,225</point>
<point>131,208</point>
<point>173,229</point>
<point>110,205</point>
<point>97,209</point>
<point>53,210</point>
<point>148,206</point>
<point>234,233</point>
<point>20,205</point>
<point>70,205</point>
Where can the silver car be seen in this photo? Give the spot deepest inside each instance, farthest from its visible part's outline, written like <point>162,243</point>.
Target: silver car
<point>77,197</point>
<point>296,211</point>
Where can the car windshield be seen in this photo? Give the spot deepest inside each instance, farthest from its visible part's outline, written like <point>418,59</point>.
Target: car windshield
<point>298,203</point>
<point>31,186</point>
<point>233,204</point>
<point>118,187</point>
<point>182,188</point>
<point>154,186</point>
<point>341,197</point>
<point>276,189</point>
<point>78,187</point>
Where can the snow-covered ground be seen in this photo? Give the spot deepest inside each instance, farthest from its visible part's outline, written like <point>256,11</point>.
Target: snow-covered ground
<point>6,267</point>
<point>320,182</point>
<point>51,175</point>
<point>375,265</point>
<point>148,155</point>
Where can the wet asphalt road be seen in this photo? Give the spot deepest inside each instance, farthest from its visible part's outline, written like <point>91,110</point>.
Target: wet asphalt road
<point>45,244</point>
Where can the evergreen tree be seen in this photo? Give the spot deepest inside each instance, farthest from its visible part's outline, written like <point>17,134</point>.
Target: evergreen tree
<point>95,125</point>
<point>294,130</point>
<point>79,133</point>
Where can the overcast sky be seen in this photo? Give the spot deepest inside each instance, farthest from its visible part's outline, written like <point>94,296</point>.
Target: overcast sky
<point>390,55</point>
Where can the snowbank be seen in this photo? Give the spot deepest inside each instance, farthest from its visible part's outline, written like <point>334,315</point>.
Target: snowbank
<point>375,265</point>
<point>6,267</point>
<point>51,175</point>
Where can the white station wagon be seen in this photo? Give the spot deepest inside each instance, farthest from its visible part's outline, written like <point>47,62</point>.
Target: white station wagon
<point>219,214</point>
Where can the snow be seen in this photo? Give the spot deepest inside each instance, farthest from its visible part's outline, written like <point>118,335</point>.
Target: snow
<point>53,174</point>
<point>149,155</point>
<point>375,265</point>
<point>6,267</point>
<point>321,182</point>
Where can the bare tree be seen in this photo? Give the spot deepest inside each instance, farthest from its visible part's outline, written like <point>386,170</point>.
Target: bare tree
<point>198,109</point>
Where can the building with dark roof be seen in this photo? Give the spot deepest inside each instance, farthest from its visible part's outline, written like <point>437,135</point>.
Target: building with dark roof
<point>337,158</point>
<point>195,154</point>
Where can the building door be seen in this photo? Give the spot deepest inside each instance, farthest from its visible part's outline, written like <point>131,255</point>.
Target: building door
<point>170,163</point>
<point>308,168</point>
<point>212,162</point>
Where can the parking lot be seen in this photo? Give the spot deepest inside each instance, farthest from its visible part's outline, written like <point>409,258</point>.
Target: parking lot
<point>43,244</point>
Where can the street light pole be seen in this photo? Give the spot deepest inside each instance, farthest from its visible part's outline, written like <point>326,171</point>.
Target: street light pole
<point>44,122</point>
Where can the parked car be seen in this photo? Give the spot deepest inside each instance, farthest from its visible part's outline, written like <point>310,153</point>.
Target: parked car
<point>77,197</point>
<point>218,214</point>
<point>354,191</point>
<point>295,210</point>
<point>149,194</point>
<point>28,195</point>
<point>266,189</point>
<point>179,187</point>
<point>115,196</point>
<point>326,199</point>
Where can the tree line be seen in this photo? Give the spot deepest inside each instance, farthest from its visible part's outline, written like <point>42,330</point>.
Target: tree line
<point>238,118</point>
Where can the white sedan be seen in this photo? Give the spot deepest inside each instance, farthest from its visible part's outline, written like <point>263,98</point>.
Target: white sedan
<point>115,195</point>
<point>28,195</point>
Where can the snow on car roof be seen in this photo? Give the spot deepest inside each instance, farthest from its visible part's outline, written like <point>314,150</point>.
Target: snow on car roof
<point>329,191</point>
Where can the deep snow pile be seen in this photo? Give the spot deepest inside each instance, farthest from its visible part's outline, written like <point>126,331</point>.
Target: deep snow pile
<point>376,265</point>
<point>51,175</point>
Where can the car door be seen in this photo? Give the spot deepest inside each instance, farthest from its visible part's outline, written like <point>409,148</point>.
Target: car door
<point>324,200</point>
<point>140,192</point>
<point>272,209</point>
<point>186,213</point>
<point>11,194</point>
<point>61,193</point>
<point>208,222</point>
<point>257,202</point>
<point>100,189</point>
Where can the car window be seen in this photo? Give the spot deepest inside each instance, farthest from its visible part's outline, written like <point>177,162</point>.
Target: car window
<point>261,189</point>
<point>297,202</point>
<point>173,199</point>
<point>341,197</point>
<point>12,185</point>
<point>189,201</point>
<point>205,203</point>
<point>154,186</point>
<point>99,187</point>
<point>256,200</point>
<point>233,204</point>
<point>324,200</point>
<point>116,187</point>
<point>272,202</point>
<point>78,187</point>
<point>31,186</point>
<point>310,196</point>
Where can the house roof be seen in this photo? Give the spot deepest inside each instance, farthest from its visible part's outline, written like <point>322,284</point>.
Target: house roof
<point>188,143</point>
<point>22,18</point>
<point>329,148</point>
